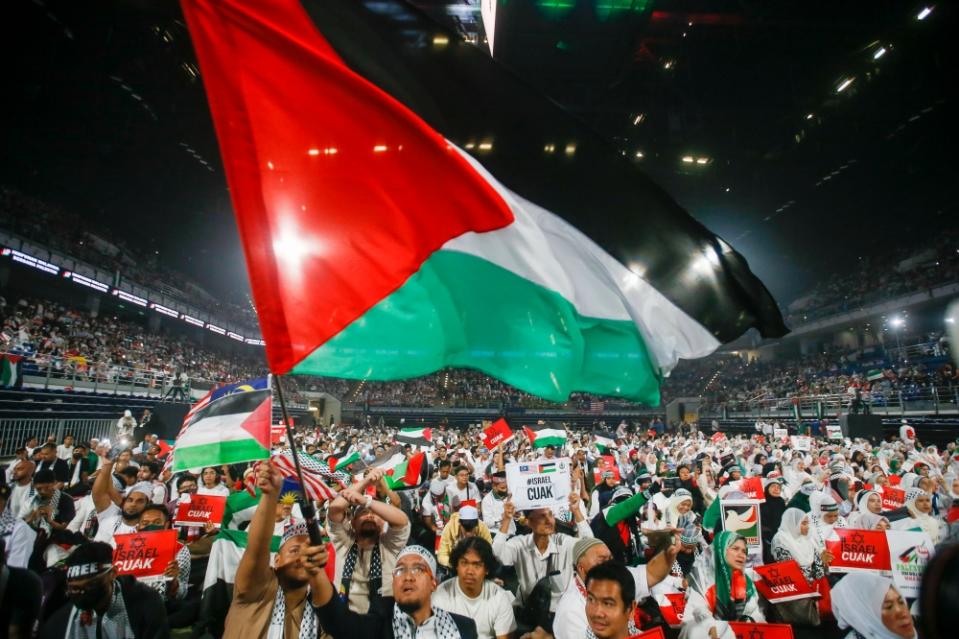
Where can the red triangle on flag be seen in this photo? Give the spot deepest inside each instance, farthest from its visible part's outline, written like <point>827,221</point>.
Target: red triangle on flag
<point>259,421</point>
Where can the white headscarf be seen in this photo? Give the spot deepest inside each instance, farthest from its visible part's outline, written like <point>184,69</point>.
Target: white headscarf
<point>799,546</point>
<point>857,604</point>
<point>929,524</point>
<point>672,510</point>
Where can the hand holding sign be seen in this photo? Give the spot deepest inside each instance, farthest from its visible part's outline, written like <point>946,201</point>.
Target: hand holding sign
<point>201,510</point>
<point>145,555</point>
<point>539,484</point>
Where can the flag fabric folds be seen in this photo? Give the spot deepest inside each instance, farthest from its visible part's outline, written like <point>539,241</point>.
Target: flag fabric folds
<point>415,436</point>
<point>543,435</point>
<point>604,441</point>
<point>360,164</point>
<point>315,474</point>
<point>228,426</point>
<point>402,473</point>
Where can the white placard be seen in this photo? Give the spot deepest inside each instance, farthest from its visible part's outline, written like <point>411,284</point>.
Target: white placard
<point>543,483</point>
<point>909,552</point>
<point>801,442</point>
<point>780,433</point>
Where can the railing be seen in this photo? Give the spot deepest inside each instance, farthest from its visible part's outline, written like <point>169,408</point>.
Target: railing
<point>935,400</point>
<point>14,432</point>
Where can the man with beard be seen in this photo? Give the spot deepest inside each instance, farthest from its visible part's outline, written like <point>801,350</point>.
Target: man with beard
<point>20,484</point>
<point>410,613</point>
<point>50,461</point>
<point>149,472</point>
<point>113,519</point>
<point>272,601</point>
<point>105,605</point>
<point>78,468</point>
<point>365,553</point>
<point>49,512</point>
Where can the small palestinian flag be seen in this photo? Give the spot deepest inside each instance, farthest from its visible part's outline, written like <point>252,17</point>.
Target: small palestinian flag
<point>232,429</point>
<point>10,370</point>
<point>415,436</point>
<point>543,435</point>
<point>604,441</point>
<point>874,374</point>
<point>343,464</point>
<point>500,234</point>
<point>401,473</point>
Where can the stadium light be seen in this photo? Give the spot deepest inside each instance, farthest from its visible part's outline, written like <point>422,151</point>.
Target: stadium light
<point>922,15</point>
<point>844,84</point>
<point>881,51</point>
<point>897,322</point>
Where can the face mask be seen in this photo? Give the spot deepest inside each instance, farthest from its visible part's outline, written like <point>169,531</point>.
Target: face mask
<point>91,596</point>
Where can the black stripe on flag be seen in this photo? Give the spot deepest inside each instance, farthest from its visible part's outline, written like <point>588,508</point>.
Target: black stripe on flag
<point>237,403</point>
<point>461,92</point>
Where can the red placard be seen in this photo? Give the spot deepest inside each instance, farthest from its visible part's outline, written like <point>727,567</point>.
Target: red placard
<point>892,497</point>
<point>857,550</point>
<point>498,433</point>
<point>200,510</point>
<point>145,555</point>
<point>655,633</point>
<point>753,488</point>
<point>673,613</point>
<point>604,463</point>
<point>277,431</point>
<point>718,437</point>
<point>744,630</point>
<point>782,581</point>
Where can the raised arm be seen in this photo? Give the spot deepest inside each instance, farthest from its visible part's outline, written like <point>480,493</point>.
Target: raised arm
<point>253,573</point>
<point>103,491</point>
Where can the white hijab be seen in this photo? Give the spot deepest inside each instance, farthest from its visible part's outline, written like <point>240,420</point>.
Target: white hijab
<point>857,604</point>
<point>799,546</point>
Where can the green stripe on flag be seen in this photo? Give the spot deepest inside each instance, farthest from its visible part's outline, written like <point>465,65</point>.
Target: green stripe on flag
<point>548,440</point>
<point>219,453</point>
<point>531,337</point>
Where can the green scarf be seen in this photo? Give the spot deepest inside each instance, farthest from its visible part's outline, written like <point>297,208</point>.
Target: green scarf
<point>724,575</point>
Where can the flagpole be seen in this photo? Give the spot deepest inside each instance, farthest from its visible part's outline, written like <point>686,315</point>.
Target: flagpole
<point>306,506</point>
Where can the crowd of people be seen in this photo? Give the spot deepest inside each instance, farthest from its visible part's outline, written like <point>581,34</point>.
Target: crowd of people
<point>641,541</point>
<point>54,227</point>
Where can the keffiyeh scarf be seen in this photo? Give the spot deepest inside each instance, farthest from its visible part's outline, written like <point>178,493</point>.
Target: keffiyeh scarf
<point>278,618</point>
<point>36,501</point>
<point>376,571</point>
<point>405,628</point>
<point>87,624</point>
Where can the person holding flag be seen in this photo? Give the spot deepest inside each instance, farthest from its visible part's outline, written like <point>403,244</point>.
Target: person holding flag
<point>278,601</point>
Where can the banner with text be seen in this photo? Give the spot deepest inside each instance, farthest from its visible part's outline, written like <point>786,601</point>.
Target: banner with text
<point>892,497</point>
<point>200,510</point>
<point>783,581</point>
<point>857,550</point>
<point>539,484</point>
<point>498,433</point>
<point>145,555</point>
<point>909,552</point>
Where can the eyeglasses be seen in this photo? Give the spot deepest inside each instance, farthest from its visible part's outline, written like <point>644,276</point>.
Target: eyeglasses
<point>415,570</point>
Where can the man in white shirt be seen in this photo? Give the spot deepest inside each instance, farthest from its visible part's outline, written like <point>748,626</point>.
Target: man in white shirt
<point>472,593</point>
<point>493,504</point>
<point>570,621</point>
<point>112,519</point>
<point>20,484</point>
<point>65,450</point>
<point>461,489</point>
<point>542,551</point>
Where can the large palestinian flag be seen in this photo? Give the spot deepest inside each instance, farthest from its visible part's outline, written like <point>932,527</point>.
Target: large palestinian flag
<point>453,215</point>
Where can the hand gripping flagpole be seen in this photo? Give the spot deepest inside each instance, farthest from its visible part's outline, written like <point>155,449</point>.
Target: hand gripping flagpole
<point>306,505</point>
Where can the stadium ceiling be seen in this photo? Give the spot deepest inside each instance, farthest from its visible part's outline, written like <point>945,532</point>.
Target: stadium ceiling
<point>791,129</point>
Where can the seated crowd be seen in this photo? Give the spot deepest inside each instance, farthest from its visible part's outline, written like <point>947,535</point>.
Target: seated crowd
<point>446,553</point>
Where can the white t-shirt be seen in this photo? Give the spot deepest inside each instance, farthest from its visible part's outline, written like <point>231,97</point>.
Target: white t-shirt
<point>492,610</point>
<point>570,621</point>
<point>65,452</point>
<point>219,489</point>
<point>493,513</point>
<point>459,495</point>
<point>111,523</point>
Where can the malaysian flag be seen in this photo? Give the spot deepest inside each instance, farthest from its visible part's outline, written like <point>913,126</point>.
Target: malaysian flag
<point>314,473</point>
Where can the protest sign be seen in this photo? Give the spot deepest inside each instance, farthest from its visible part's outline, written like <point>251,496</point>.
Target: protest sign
<point>201,509</point>
<point>655,633</point>
<point>780,433</point>
<point>752,487</point>
<point>741,516</point>
<point>857,550</point>
<point>744,630</point>
<point>718,437</point>
<point>145,555</point>
<point>892,497</point>
<point>672,610</point>
<point>277,433</point>
<point>603,464</point>
<point>783,581</point>
<point>498,433</point>
<point>909,552</point>
<point>539,484</point>
<point>801,442</point>
<point>834,432</point>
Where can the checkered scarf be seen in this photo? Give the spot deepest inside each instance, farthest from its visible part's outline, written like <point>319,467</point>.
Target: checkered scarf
<point>278,618</point>
<point>405,628</point>
<point>84,624</point>
<point>376,570</point>
<point>36,501</point>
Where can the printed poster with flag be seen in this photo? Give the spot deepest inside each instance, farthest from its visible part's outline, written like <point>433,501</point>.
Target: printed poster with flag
<point>539,484</point>
<point>909,552</point>
<point>783,581</point>
<point>742,516</point>
<point>230,427</point>
<point>752,487</point>
<point>498,433</point>
<point>857,550</point>
<point>145,555</point>
<point>553,272</point>
<point>745,630</point>
<point>543,435</point>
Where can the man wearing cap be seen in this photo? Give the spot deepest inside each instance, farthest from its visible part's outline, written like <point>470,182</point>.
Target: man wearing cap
<point>436,509</point>
<point>365,549</point>
<point>104,605</point>
<point>542,552</point>
<point>493,503</point>
<point>463,524</point>
<point>571,622</point>
<point>408,615</point>
<point>273,601</point>
<point>113,519</point>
